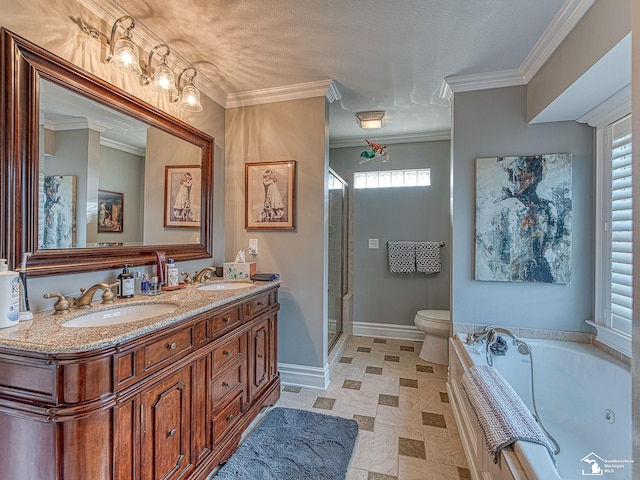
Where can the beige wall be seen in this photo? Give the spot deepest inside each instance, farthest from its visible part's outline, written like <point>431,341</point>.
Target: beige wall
<point>292,130</point>
<point>54,25</point>
<point>600,29</point>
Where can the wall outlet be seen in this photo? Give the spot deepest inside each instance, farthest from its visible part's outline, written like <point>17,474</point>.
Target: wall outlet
<point>253,246</point>
<point>373,243</point>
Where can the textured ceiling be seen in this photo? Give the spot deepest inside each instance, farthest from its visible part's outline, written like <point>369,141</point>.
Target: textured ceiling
<point>387,55</point>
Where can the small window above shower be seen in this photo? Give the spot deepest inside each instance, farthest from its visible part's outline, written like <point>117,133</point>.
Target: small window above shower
<point>392,178</point>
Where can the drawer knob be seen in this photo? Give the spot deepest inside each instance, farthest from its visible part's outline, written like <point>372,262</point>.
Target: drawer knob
<point>260,304</point>
<point>171,432</point>
<point>226,353</point>
<point>225,384</point>
<point>228,320</point>
<point>229,417</point>
<point>260,355</point>
<point>172,346</point>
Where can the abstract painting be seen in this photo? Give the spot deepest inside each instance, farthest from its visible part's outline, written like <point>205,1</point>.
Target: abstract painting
<point>523,219</point>
<point>58,228</point>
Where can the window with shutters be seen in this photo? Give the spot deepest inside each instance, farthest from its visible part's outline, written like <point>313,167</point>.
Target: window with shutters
<point>614,276</point>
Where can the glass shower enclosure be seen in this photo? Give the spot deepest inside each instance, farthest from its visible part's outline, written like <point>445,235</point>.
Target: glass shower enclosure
<point>337,231</point>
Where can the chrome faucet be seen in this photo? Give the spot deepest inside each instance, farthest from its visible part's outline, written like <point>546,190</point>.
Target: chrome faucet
<point>204,274</point>
<point>489,335</point>
<point>84,300</point>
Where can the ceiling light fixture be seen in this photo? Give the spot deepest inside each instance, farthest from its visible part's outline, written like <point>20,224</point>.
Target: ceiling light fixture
<point>371,119</point>
<point>124,55</point>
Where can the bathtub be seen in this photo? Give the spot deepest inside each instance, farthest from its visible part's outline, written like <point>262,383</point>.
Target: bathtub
<point>583,398</point>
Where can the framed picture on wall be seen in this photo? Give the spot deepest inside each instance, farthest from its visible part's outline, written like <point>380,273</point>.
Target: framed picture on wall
<point>110,212</point>
<point>58,224</point>
<point>182,196</point>
<point>270,195</point>
<point>523,219</point>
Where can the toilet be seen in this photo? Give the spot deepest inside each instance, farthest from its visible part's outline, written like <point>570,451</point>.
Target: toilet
<point>436,325</point>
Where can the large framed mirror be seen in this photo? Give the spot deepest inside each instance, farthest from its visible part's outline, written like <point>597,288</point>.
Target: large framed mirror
<point>92,177</point>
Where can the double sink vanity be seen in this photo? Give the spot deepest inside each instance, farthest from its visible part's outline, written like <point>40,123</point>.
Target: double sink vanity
<point>149,388</point>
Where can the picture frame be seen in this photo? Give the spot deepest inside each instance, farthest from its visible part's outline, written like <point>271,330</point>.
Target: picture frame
<point>58,217</point>
<point>270,198</point>
<point>182,196</point>
<point>110,212</point>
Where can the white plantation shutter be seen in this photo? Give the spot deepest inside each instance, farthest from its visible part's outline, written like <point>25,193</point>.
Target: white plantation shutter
<point>620,228</point>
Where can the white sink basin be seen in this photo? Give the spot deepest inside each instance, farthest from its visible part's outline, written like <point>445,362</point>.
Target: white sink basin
<point>123,314</point>
<point>225,286</point>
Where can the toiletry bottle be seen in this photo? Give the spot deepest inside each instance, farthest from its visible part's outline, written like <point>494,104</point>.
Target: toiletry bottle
<point>173,274</point>
<point>126,283</point>
<point>160,267</point>
<point>144,284</point>
<point>9,295</point>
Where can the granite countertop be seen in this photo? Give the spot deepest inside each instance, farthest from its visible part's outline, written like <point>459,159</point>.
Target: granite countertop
<point>46,334</point>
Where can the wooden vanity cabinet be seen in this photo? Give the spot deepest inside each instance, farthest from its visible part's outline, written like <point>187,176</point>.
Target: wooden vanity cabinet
<point>171,404</point>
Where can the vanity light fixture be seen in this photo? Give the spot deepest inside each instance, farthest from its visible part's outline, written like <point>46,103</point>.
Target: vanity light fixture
<point>189,96</point>
<point>164,80</point>
<point>371,119</point>
<point>125,55</point>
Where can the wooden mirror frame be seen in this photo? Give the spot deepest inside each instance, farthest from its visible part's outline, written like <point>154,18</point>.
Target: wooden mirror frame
<point>23,64</point>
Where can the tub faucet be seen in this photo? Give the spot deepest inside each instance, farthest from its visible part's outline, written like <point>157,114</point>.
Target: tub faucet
<point>84,300</point>
<point>489,335</point>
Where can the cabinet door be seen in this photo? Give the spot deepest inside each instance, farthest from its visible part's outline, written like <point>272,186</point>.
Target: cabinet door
<point>259,357</point>
<point>165,427</point>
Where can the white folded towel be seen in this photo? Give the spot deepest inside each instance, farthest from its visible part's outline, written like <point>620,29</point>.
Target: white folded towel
<point>428,257</point>
<point>501,413</point>
<point>402,257</point>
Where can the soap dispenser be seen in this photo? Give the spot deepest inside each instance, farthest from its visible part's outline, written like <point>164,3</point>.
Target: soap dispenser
<point>126,283</point>
<point>9,295</point>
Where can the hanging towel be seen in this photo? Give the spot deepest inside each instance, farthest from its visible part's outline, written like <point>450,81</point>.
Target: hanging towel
<point>501,413</point>
<point>402,257</point>
<point>428,257</point>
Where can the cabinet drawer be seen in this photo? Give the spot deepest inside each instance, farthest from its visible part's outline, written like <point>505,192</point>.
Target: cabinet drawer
<point>226,418</point>
<point>229,380</point>
<point>231,350</point>
<point>230,318</point>
<point>260,304</point>
<point>168,347</point>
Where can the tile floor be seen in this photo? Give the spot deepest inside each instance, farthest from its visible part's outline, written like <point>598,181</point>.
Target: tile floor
<point>407,429</point>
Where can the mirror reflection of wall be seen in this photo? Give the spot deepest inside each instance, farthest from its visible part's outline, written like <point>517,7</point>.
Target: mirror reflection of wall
<point>103,150</point>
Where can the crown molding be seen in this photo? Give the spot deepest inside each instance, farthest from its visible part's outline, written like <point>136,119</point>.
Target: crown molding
<point>562,24</point>
<point>615,107</point>
<point>110,11</point>
<point>79,123</point>
<point>391,139</point>
<point>320,88</point>
<point>123,147</point>
<point>484,81</point>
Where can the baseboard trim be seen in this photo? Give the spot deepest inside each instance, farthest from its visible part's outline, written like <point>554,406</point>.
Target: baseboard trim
<point>304,376</point>
<point>387,330</point>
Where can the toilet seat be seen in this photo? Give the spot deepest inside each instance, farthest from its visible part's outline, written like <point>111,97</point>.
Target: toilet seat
<point>435,315</point>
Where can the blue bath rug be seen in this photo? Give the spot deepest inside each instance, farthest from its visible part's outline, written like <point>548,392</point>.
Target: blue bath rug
<point>296,445</point>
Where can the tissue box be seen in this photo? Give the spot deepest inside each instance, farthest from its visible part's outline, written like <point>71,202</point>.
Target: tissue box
<point>234,270</point>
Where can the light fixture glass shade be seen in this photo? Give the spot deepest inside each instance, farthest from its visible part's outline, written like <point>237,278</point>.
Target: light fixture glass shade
<point>190,98</point>
<point>370,119</point>
<point>164,80</point>
<point>126,56</point>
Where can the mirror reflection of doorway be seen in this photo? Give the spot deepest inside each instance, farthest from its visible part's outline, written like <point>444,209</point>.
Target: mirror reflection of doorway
<point>338,217</point>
